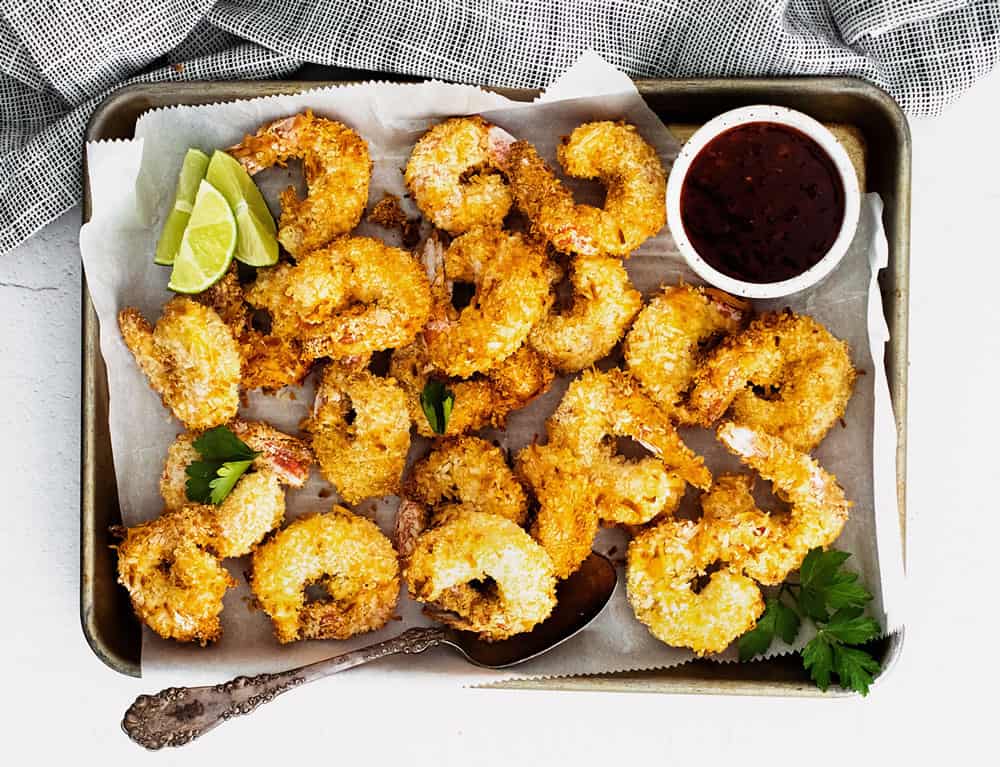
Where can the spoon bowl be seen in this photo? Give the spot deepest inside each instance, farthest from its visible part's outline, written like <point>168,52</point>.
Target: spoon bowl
<point>178,715</point>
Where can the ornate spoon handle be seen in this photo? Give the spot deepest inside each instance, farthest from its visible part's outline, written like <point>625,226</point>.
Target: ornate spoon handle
<point>177,715</point>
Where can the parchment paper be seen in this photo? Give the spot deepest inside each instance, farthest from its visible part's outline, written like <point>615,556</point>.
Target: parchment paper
<point>131,186</point>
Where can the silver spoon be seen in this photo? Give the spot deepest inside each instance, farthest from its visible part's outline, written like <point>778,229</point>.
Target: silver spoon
<point>177,715</point>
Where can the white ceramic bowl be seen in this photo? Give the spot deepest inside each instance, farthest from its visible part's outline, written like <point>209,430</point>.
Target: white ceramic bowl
<point>783,116</point>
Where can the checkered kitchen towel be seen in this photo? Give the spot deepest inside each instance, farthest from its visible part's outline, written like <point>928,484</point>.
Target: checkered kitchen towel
<point>59,58</point>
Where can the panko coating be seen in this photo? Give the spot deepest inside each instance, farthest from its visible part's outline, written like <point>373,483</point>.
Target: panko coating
<point>667,342</point>
<point>769,546</point>
<point>512,293</point>
<point>602,405</point>
<point>566,521</point>
<point>345,554</point>
<point>604,305</point>
<point>472,472</point>
<point>628,167</point>
<point>337,168</point>
<point>175,582</point>
<point>253,508</point>
<point>355,296</point>
<point>360,432</point>
<point>452,176</point>
<point>481,400</point>
<point>482,573</point>
<point>785,374</point>
<point>190,359</point>
<point>269,362</point>
<point>664,562</point>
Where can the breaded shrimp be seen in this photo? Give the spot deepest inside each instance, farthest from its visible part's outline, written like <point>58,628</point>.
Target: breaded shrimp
<point>337,168</point>
<point>768,547</point>
<point>345,554</point>
<point>287,458</point>
<point>480,572</point>
<point>472,472</point>
<point>598,406</point>
<point>269,362</point>
<point>604,304</point>
<point>635,205</point>
<point>360,432</point>
<point>453,178</point>
<point>663,565</point>
<point>175,582</point>
<point>566,522</point>
<point>190,358</point>
<point>805,373</point>
<point>668,340</point>
<point>480,401</point>
<point>512,293</point>
<point>355,296</point>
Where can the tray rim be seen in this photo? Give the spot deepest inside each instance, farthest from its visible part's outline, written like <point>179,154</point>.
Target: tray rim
<point>896,354</point>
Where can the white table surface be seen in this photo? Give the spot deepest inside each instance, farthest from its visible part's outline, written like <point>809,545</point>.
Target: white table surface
<point>58,701</point>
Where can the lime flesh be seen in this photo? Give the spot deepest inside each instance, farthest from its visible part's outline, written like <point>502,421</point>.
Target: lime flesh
<point>256,243</point>
<point>207,247</point>
<point>192,172</point>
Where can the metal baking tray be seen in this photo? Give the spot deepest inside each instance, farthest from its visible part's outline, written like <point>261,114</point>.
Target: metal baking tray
<point>108,622</point>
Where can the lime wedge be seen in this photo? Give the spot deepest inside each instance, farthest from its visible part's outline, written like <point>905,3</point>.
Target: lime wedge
<point>207,245</point>
<point>256,243</point>
<point>192,172</point>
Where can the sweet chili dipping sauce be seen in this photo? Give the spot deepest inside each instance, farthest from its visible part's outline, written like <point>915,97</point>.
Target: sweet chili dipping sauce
<point>762,202</point>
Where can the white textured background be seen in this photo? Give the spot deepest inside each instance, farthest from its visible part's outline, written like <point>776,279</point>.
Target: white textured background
<point>57,701</point>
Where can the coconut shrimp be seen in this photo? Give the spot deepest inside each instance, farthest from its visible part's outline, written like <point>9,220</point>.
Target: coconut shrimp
<point>566,522</point>
<point>479,401</point>
<point>664,563</point>
<point>768,547</point>
<point>176,583</point>
<point>190,358</point>
<point>472,472</point>
<point>268,362</point>
<point>453,178</point>
<point>360,431</point>
<point>668,340</point>
<point>482,573</point>
<point>344,554</point>
<point>289,459</point>
<point>601,406</point>
<point>604,305</point>
<point>785,374</point>
<point>635,205</point>
<point>337,169</point>
<point>355,296</point>
<point>512,293</point>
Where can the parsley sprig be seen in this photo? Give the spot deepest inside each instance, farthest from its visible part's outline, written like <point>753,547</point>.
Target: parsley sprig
<point>835,602</point>
<point>437,401</point>
<point>224,459</point>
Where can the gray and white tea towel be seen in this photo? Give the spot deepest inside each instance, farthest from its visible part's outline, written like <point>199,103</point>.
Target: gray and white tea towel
<point>60,58</point>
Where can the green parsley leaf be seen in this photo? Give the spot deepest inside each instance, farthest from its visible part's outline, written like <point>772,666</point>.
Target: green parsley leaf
<point>817,657</point>
<point>816,576</point>
<point>786,622</point>
<point>850,627</point>
<point>199,483</point>
<point>855,668</point>
<point>844,592</point>
<point>220,444</point>
<point>778,618</point>
<point>228,474</point>
<point>757,640</point>
<point>225,458</point>
<point>437,402</point>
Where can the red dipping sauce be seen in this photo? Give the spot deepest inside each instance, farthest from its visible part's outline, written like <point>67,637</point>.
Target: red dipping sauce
<point>762,202</point>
